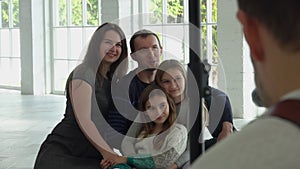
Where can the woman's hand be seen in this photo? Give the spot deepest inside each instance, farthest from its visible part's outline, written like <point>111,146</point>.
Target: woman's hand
<point>113,160</point>
<point>105,164</point>
<point>120,160</point>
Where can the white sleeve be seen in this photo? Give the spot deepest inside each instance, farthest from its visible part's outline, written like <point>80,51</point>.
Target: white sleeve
<point>178,135</point>
<point>175,144</point>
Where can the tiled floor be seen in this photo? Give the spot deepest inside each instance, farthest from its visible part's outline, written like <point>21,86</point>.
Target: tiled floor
<point>25,122</point>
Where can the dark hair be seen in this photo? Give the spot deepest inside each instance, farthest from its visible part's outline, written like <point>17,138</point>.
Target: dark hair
<point>150,91</point>
<point>280,17</point>
<point>92,58</point>
<point>142,33</point>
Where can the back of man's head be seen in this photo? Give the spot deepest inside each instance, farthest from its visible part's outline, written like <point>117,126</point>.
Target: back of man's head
<point>141,33</point>
<point>280,17</point>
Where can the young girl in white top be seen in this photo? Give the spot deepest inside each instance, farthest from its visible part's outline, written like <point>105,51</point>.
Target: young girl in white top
<point>160,140</point>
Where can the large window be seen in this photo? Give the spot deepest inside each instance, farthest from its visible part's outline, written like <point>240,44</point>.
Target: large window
<point>170,17</point>
<point>10,45</point>
<point>74,21</point>
<point>209,46</point>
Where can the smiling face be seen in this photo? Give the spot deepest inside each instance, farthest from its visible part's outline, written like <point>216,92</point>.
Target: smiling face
<point>157,108</point>
<point>174,83</point>
<point>111,47</point>
<point>147,52</point>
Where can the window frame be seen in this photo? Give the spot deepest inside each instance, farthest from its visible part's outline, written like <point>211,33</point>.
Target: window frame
<point>13,30</point>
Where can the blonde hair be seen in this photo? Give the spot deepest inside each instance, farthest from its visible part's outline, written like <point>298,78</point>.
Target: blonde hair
<point>170,64</point>
<point>175,64</point>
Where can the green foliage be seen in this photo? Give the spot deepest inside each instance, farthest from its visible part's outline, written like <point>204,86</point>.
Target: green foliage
<point>5,13</point>
<point>62,12</point>
<point>5,16</point>
<point>174,11</point>
<point>16,19</point>
<point>203,11</point>
<point>92,12</point>
<point>77,12</point>
<point>156,8</point>
<point>77,20</point>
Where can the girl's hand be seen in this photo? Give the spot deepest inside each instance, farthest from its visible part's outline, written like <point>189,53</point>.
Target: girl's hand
<point>173,166</point>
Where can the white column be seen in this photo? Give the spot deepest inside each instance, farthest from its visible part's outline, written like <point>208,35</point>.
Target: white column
<point>32,47</point>
<point>126,17</point>
<point>110,11</point>
<point>230,47</point>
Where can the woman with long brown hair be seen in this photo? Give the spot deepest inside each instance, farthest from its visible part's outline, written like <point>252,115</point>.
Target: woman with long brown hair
<point>77,141</point>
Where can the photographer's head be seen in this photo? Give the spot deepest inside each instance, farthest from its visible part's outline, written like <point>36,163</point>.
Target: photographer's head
<point>272,30</point>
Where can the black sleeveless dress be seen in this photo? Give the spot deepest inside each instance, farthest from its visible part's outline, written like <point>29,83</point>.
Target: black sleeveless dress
<point>66,147</point>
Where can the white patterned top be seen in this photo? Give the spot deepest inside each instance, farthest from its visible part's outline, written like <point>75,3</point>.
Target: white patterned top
<point>172,147</point>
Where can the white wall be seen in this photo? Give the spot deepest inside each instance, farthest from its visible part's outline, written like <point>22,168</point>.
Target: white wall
<point>236,76</point>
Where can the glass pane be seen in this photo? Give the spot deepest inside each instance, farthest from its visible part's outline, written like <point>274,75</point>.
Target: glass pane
<point>175,11</point>
<point>16,13</point>
<point>76,12</point>
<point>15,43</point>
<point>61,72</point>
<point>173,42</point>
<point>62,69</point>
<point>88,34</point>
<point>75,43</point>
<point>60,43</point>
<point>92,12</point>
<point>62,12</point>
<point>203,11</point>
<point>204,41</point>
<point>72,65</point>
<point>214,10</point>
<point>215,45</point>
<point>155,8</point>
<point>10,72</point>
<point>215,58</point>
<point>5,14</point>
<point>4,42</point>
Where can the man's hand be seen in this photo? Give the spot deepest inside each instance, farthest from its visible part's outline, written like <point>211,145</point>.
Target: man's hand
<point>226,130</point>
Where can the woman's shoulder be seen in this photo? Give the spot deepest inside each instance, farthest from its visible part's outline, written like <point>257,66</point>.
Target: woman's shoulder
<point>82,69</point>
<point>83,72</point>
